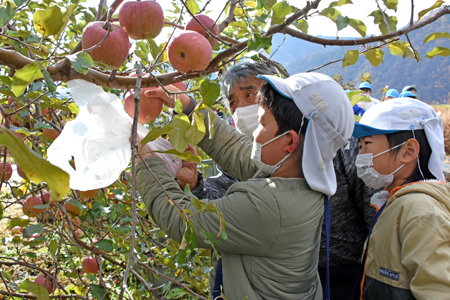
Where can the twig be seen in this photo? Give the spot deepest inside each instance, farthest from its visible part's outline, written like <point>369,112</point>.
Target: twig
<point>173,24</point>
<point>229,18</point>
<point>275,64</point>
<point>6,284</point>
<point>133,178</point>
<point>384,17</point>
<point>100,10</point>
<point>414,50</point>
<point>411,22</point>
<point>204,7</point>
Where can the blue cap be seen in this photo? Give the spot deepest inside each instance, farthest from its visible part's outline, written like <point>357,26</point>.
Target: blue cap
<point>408,95</point>
<point>365,85</point>
<point>362,130</point>
<point>347,91</point>
<point>392,93</point>
<point>409,87</point>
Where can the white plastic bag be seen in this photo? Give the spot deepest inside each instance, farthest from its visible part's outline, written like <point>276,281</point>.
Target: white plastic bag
<point>98,139</point>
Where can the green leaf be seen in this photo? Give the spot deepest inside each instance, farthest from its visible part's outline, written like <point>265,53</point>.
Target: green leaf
<point>36,168</point>
<point>156,133</point>
<point>302,25</point>
<point>176,293</point>
<point>197,131</point>
<point>210,91</point>
<point>53,247</point>
<point>81,62</point>
<point>65,18</point>
<point>17,222</point>
<point>425,11</point>
<point>391,4</point>
<point>350,58</point>
<point>438,51</point>
<point>436,35</point>
<point>375,56</point>
<point>105,245</point>
<point>74,108</point>
<point>23,77</point>
<point>180,123</point>
<point>342,2</point>
<point>398,47</point>
<point>32,229</point>
<point>212,119</point>
<point>342,22</point>
<point>49,81</point>
<point>260,4</point>
<point>6,80</point>
<point>99,292</point>
<point>48,21</point>
<point>279,12</point>
<point>359,26</point>
<point>193,6</point>
<point>31,254</point>
<point>257,43</point>
<point>39,291</point>
<point>6,14</point>
<point>188,156</point>
<point>269,3</point>
<point>330,13</point>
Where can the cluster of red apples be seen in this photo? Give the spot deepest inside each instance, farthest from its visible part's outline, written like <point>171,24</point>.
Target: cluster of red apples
<point>190,50</point>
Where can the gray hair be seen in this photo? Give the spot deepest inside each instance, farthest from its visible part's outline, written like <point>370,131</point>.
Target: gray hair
<point>243,71</point>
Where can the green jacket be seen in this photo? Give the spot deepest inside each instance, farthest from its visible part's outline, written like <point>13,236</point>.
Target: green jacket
<point>409,249</point>
<point>273,224</point>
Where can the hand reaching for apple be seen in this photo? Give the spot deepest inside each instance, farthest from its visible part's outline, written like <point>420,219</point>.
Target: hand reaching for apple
<point>188,173</point>
<point>169,100</point>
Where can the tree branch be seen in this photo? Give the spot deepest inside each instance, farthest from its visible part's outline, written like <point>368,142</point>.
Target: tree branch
<point>327,42</point>
<point>229,18</point>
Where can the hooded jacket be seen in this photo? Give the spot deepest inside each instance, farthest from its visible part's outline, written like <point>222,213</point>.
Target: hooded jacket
<point>409,249</point>
<point>273,224</point>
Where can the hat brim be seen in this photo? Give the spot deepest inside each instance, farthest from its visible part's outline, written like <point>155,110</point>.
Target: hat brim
<point>362,130</point>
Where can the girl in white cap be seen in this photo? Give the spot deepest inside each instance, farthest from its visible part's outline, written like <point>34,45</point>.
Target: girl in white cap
<point>408,252</point>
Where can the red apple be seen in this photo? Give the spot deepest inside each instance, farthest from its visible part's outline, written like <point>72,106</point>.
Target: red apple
<point>180,85</point>
<point>35,236</point>
<point>113,52</point>
<point>79,232</point>
<point>21,173</point>
<point>141,19</point>
<point>72,208</point>
<point>28,206</point>
<point>50,133</point>
<point>90,265</point>
<point>8,171</point>
<point>16,230</point>
<point>149,108</point>
<point>95,241</point>
<point>208,23</point>
<point>189,51</point>
<point>45,282</point>
<point>88,194</point>
<point>75,221</point>
<point>45,198</point>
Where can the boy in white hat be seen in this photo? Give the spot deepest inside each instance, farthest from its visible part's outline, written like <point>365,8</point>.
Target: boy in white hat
<point>408,253</point>
<point>274,214</point>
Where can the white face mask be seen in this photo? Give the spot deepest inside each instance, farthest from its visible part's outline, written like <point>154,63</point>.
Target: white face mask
<point>369,175</point>
<point>256,157</point>
<point>246,119</point>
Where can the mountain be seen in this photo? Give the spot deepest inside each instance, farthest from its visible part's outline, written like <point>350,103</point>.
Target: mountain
<point>300,56</point>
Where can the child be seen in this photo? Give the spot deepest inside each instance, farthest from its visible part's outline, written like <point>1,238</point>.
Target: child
<point>402,150</point>
<point>274,217</point>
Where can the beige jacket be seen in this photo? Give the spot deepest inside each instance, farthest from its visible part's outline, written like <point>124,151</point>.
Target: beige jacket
<point>409,249</point>
<point>273,224</point>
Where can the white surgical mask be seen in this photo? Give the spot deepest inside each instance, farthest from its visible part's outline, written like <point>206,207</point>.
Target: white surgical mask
<point>246,119</point>
<point>369,175</point>
<point>256,157</point>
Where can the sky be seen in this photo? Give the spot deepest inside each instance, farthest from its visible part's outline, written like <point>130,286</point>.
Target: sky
<point>319,25</point>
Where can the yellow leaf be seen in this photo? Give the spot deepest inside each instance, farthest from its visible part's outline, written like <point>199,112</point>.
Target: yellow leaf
<point>48,21</point>
<point>35,167</point>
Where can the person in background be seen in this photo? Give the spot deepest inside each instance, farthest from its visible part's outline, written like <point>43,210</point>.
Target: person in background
<point>408,250</point>
<point>358,111</point>
<point>273,218</point>
<point>366,87</point>
<point>408,94</point>
<point>391,94</point>
<point>410,88</point>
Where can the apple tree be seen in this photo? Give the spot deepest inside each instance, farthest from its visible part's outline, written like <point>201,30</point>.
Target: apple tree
<point>70,244</point>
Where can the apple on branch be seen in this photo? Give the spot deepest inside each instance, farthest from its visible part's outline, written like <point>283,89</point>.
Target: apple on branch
<point>141,19</point>
<point>189,51</point>
<point>8,171</point>
<point>113,51</point>
<point>44,281</point>
<point>208,23</point>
